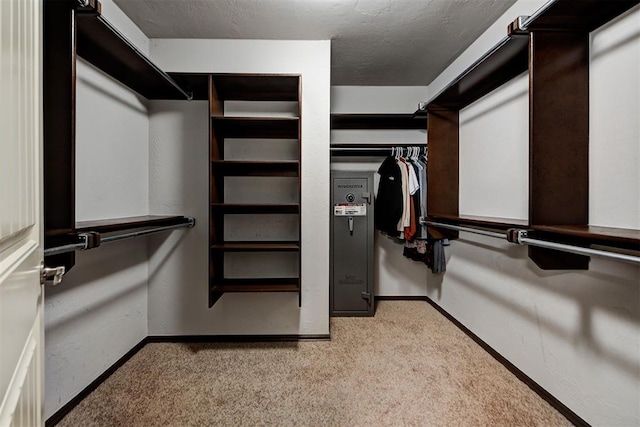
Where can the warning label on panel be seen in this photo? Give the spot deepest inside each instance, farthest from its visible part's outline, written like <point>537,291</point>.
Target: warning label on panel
<point>350,209</point>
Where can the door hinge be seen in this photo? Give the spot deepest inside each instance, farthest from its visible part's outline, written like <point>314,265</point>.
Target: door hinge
<point>51,273</point>
<point>368,296</point>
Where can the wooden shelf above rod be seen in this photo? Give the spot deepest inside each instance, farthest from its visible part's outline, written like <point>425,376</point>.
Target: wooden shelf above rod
<point>505,61</point>
<point>129,223</point>
<point>576,15</point>
<point>101,44</point>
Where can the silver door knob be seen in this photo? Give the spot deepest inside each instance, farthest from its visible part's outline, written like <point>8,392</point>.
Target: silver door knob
<point>51,273</point>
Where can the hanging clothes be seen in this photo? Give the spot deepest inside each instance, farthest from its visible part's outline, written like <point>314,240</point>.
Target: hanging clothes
<point>401,203</point>
<point>406,207</point>
<point>389,202</point>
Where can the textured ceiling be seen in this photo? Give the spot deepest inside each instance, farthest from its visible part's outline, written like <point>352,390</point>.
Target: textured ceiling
<point>374,42</point>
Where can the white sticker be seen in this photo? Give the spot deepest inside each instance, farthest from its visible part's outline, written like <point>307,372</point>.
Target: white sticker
<point>350,209</point>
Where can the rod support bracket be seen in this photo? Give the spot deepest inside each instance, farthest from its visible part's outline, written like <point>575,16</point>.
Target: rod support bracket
<point>515,235</point>
<point>89,239</point>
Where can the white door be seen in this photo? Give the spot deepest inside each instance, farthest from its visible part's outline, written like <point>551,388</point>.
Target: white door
<point>21,323</point>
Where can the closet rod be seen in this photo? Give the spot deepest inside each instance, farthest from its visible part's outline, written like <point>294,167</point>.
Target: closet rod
<point>372,150</point>
<point>338,149</point>
<point>521,236</point>
<point>579,250</point>
<point>190,222</point>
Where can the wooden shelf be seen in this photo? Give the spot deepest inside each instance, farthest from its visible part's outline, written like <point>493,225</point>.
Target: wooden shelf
<point>509,57</point>
<point>479,221</point>
<point>261,208</point>
<point>284,284</point>
<point>578,15</point>
<point>377,121</point>
<point>255,168</point>
<point>256,127</point>
<point>106,48</point>
<point>609,236</point>
<point>129,223</point>
<point>256,87</point>
<point>505,61</point>
<point>256,247</point>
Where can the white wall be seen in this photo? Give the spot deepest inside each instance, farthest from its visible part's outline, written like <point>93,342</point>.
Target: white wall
<point>179,171</point>
<point>575,333</point>
<point>99,312</point>
<point>394,275</point>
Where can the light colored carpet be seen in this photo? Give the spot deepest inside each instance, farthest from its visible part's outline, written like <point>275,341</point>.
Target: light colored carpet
<point>406,366</point>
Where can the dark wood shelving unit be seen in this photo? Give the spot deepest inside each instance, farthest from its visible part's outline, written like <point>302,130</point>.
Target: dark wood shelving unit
<point>256,127</point>
<point>71,30</point>
<point>377,121</point>
<point>553,47</point>
<point>249,87</point>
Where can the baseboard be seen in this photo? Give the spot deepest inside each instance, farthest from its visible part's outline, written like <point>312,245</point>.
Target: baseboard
<point>537,388</point>
<point>62,412</point>
<point>236,338</point>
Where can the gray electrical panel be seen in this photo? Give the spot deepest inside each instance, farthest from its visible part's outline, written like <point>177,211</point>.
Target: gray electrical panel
<point>351,284</point>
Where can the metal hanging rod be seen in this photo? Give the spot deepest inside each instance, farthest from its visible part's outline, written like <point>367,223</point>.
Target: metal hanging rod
<point>373,149</point>
<point>579,250</point>
<point>385,149</point>
<point>521,237</point>
<point>84,243</point>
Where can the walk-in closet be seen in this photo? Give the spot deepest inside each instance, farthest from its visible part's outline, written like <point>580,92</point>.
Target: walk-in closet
<point>381,212</point>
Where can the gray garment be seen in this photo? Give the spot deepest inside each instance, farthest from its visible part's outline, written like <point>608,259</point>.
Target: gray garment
<point>439,260</point>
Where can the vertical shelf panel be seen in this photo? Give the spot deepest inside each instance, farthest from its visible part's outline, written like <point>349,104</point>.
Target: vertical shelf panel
<point>443,175</point>
<point>59,156</point>
<point>559,138</point>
